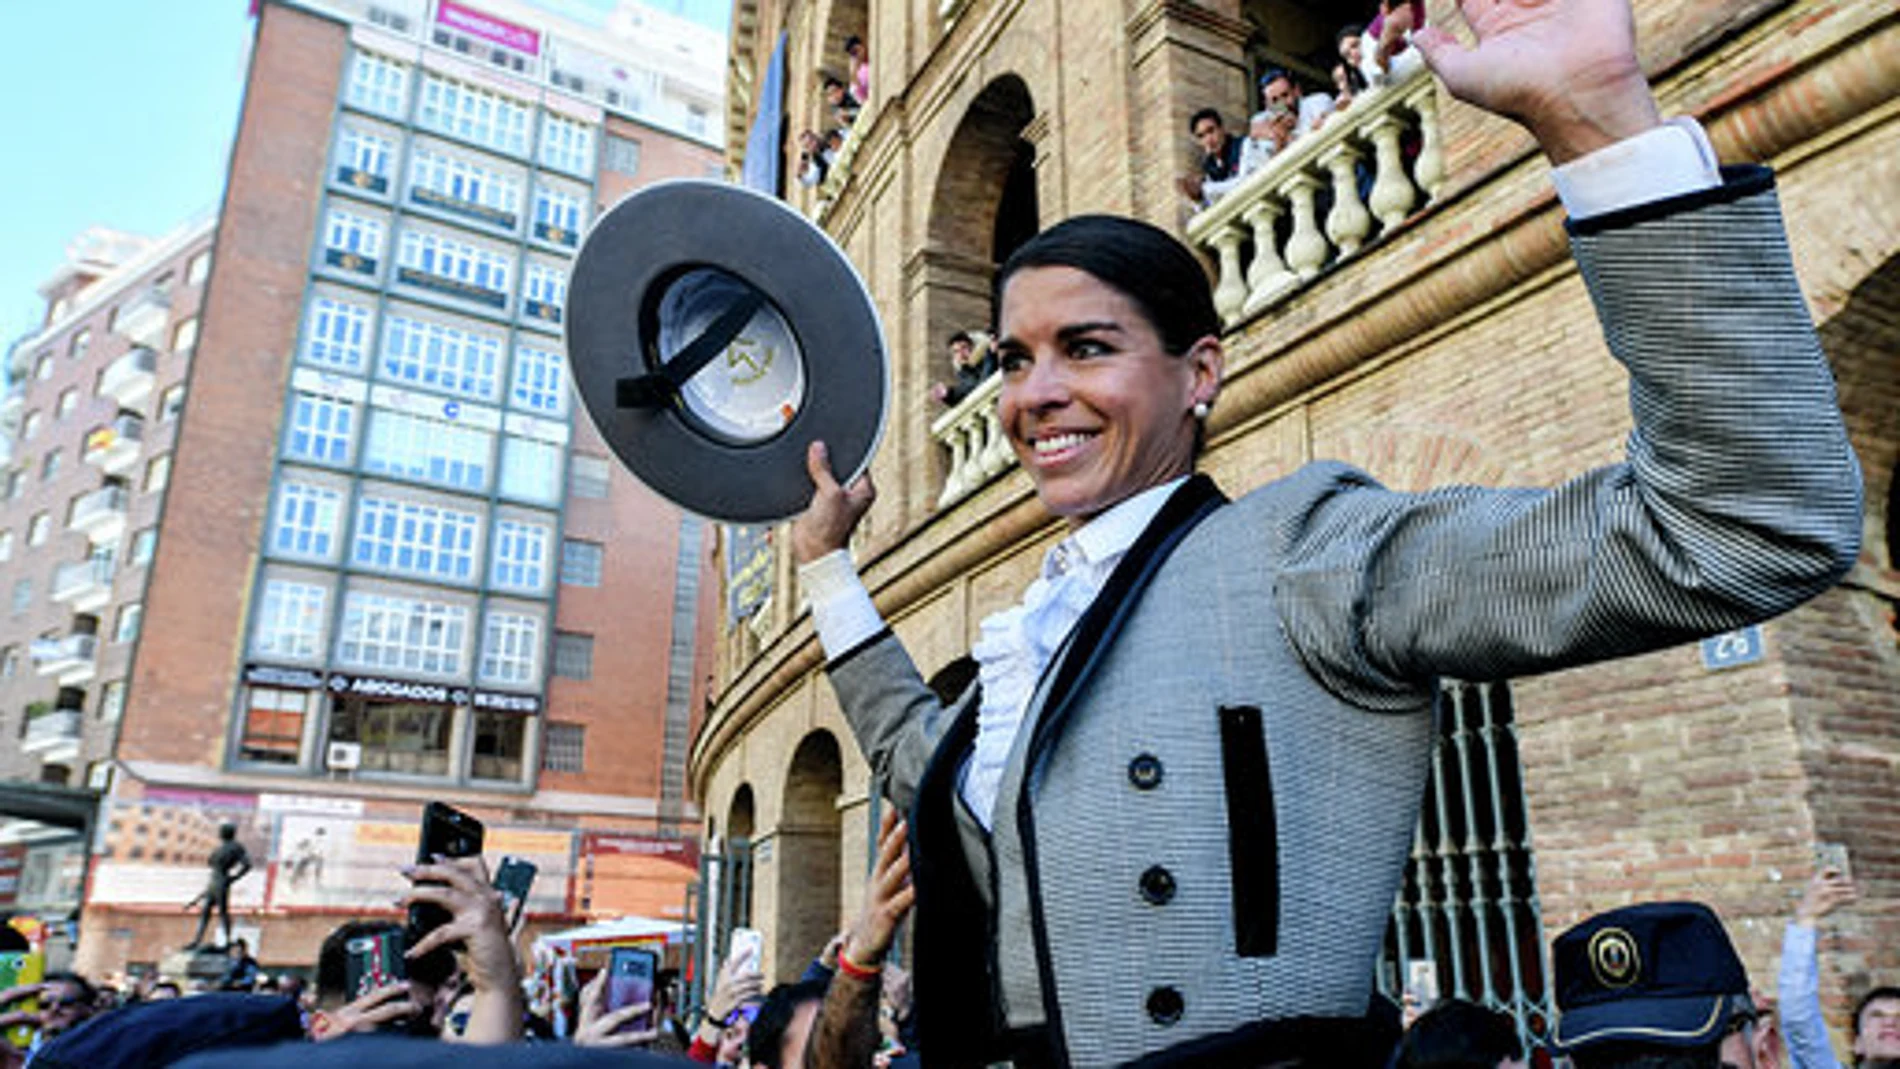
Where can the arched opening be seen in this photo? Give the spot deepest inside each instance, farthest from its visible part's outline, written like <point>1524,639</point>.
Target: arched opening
<point>807,854</point>
<point>1298,35</point>
<point>739,815</point>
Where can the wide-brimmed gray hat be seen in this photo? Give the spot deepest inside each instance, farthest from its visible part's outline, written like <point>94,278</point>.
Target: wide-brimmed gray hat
<point>714,334</point>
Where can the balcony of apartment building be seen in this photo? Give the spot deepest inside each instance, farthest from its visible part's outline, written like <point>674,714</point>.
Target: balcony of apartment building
<point>113,447</point>
<point>128,380</point>
<point>100,515</point>
<point>142,318</point>
<point>53,730</point>
<point>85,585</point>
<point>12,402</point>
<point>71,658</point>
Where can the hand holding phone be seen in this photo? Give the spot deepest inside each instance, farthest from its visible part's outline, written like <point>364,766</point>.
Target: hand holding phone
<point>446,833</point>
<point>747,949</point>
<point>630,975</point>
<point>514,879</point>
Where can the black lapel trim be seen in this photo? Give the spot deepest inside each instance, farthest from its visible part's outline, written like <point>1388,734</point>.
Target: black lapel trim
<point>1253,837</point>
<point>1737,182</point>
<point>1082,653</point>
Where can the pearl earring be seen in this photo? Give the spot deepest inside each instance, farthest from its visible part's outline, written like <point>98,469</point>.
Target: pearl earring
<point>1200,410</point>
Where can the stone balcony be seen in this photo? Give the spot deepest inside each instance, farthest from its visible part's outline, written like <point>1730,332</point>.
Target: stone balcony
<point>1267,233</point>
<point>100,515</point>
<point>72,659</point>
<point>128,380</point>
<point>114,447</point>
<point>84,585</point>
<point>973,435</point>
<point>142,319</point>
<point>54,734</point>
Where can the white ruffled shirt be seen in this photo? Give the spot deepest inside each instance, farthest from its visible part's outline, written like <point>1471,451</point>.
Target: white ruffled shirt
<point>1016,644</point>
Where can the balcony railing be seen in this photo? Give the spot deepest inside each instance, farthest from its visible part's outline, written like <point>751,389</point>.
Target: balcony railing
<point>54,734</point>
<point>128,380</point>
<point>142,319</point>
<point>114,447</point>
<point>973,434</point>
<point>1369,139</point>
<point>83,585</point>
<point>72,658</point>
<point>100,515</point>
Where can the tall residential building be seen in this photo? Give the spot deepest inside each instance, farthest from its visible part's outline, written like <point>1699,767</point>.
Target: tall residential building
<point>393,564</point>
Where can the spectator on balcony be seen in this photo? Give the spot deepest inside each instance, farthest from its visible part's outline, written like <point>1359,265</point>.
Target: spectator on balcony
<point>1269,665</point>
<point>1280,92</point>
<point>834,144</point>
<point>1386,54</point>
<point>844,106</point>
<point>860,59</point>
<point>813,160</point>
<point>1220,159</point>
<point>971,361</point>
<point>1348,79</point>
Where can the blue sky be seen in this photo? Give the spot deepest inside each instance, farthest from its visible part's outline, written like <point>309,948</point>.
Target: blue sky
<point>121,114</point>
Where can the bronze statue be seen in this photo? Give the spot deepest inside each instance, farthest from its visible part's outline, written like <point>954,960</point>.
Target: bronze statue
<point>229,863</point>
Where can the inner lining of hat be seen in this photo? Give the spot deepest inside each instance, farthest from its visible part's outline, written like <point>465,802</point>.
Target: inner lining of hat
<point>753,389</point>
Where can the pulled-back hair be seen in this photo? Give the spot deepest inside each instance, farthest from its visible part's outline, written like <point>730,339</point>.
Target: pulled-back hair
<point>1142,262</point>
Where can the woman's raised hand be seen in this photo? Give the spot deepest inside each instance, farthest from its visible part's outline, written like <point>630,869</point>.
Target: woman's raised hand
<point>834,512</point>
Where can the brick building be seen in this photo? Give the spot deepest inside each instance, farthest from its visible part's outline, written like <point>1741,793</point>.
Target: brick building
<point>372,557</point>
<point>1427,325</point>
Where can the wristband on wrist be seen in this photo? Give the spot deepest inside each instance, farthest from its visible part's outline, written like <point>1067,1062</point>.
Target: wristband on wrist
<point>854,970</point>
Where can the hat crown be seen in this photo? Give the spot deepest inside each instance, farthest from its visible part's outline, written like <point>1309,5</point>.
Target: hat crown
<point>1664,972</point>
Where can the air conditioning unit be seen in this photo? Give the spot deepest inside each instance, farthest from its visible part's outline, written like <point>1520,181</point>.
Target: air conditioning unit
<point>343,756</point>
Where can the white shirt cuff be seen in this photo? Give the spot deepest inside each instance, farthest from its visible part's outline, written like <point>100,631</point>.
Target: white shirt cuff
<point>1669,161</point>
<point>841,608</point>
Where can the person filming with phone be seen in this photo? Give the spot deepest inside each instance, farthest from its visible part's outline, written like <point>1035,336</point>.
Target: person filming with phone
<point>1876,1020</point>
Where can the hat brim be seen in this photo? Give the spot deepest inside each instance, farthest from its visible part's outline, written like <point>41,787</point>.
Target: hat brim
<point>640,247</point>
<point>1681,1021</point>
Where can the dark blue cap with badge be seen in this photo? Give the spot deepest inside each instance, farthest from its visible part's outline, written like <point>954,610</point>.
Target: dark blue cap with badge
<point>1662,973</point>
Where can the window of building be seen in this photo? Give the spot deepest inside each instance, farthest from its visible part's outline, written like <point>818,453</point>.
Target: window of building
<point>43,367</point>
<point>696,121</point>
<point>472,114</point>
<point>558,214</point>
<point>170,403</point>
<point>185,336</point>
<point>410,738</point>
<point>22,595</point>
<point>81,345</point>
<point>428,450</point>
<point>306,521</point>
<point>273,725</point>
<point>362,159</point>
<point>319,429</point>
<point>144,544</point>
<point>473,272</point>
<point>443,357</point>
<point>289,620</point>
<point>407,634</point>
<point>530,470</point>
<point>511,649</point>
<point>112,701</point>
<point>580,562</point>
<point>158,472</point>
<point>126,627</point>
<point>520,556</point>
<point>501,741</point>
<point>49,464</point>
<point>199,269</point>
<point>573,655</point>
<point>6,544</point>
<point>378,84</point>
<point>15,478</point>
<point>539,381</point>
<point>543,291</point>
<point>567,145</point>
<point>351,241</point>
<point>335,333</point>
<point>564,747</point>
<point>68,400</point>
<point>415,538</point>
<point>38,529</point>
<point>30,426</point>
<point>620,154</point>
<point>441,180</point>
<point>587,476</point>
<point>9,661</point>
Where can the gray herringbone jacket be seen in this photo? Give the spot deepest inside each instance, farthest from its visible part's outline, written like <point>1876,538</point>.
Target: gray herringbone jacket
<point>1212,835</point>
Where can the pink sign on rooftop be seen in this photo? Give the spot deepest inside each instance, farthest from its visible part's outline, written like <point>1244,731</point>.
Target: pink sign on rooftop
<point>488,27</point>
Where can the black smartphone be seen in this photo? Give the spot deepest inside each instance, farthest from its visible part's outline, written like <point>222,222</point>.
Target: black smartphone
<point>514,879</point>
<point>447,832</point>
<point>630,981</point>
<point>372,961</point>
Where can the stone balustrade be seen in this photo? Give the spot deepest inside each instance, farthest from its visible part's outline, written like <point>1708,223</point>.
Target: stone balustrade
<point>1262,258</point>
<point>973,435</point>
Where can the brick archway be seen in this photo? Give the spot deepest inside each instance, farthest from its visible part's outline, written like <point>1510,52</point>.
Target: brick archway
<point>808,851</point>
<point>1862,341</point>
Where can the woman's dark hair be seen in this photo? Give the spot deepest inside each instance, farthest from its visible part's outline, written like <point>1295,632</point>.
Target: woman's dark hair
<point>1351,29</point>
<point>765,1042</point>
<point>1459,1035</point>
<point>1142,262</point>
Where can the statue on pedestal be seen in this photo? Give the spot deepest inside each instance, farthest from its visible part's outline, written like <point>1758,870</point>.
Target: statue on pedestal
<point>229,863</point>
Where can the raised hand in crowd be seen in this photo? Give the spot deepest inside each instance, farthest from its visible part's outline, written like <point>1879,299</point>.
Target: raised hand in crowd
<point>479,928</point>
<point>1829,889</point>
<point>846,1035</point>
<point>384,1006</point>
<point>1564,69</point>
<point>599,1026</point>
<point>739,982</point>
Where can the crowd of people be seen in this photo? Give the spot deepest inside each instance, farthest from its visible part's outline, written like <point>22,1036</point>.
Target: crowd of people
<point>1369,56</point>
<point>843,99</point>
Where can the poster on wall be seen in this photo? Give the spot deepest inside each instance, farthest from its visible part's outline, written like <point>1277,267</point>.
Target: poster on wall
<point>156,849</point>
<point>326,861</point>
